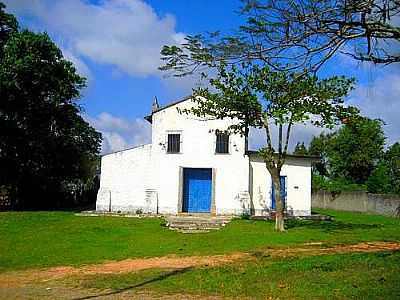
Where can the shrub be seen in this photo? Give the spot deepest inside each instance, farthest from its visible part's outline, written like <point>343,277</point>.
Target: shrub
<point>336,185</point>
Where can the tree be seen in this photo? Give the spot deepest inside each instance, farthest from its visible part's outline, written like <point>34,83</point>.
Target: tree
<point>256,96</point>
<point>44,141</point>
<point>308,32</point>
<point>355,149</point>
<point>8,25</point>
<point>319,147</point>
<point>296,35</point>
<point>300,149</point>
<point>392,160</point>
<point>385,178</point>
<point>379,181</point>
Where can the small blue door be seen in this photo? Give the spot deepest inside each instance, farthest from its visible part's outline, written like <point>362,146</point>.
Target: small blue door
<point>196,190</point>
<point>283,192</point>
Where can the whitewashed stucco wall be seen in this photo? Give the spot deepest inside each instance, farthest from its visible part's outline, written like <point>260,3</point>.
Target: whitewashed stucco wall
<point>146,178</point>
<point>298,185</point>
<point>198,151</point>
<point>125,177</point>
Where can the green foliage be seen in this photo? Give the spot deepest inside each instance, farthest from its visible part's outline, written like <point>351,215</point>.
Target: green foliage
<point>379,180</point>
<point>45,143</point>
<point>335,185</point>
<point>245,216</point>
<point>385,178</point>
<point>300,149</point>
<point>319,147</point>
<point>350,156</point>
<point>355,149</point>
<point>255,96</point>
<point>8,26</point>
<point>392,160</point>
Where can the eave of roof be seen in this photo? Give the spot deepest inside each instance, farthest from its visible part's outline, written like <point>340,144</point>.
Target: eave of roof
<point>126,149</point>
<point>309,157</point>
<point>149,118</point>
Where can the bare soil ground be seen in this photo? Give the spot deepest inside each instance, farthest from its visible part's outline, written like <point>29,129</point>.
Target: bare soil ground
<point>45,283</point>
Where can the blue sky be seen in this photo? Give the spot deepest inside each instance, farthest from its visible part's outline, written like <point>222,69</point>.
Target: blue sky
<point>116,43</point>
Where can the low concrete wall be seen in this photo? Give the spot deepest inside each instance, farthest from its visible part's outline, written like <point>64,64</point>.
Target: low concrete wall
<point>357,201</point>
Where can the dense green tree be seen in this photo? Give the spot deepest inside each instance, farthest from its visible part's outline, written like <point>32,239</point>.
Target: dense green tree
<point>259,97</point>
<point>318,147</point>
<point>385,178</point>
<point>379,181</point>
<point>8,25</point>
<point>44,141</point>
<point>300,149</point>
<point>392,161</point>
<point>355,149</point>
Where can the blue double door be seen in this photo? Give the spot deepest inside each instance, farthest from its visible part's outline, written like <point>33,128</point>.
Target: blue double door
<point>197,184</point>
<point>283,192</point>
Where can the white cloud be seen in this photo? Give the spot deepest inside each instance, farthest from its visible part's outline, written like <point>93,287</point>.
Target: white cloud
<point>127,34</point>
<point>80,66</point>
<point>119,133</point>
<point>299,133</point>
<point>380,98</point>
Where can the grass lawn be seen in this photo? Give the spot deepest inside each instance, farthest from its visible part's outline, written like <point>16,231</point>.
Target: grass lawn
<point>42,239</point>
<point>344,276</point>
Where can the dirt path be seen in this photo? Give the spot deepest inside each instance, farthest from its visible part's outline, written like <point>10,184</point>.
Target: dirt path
<point>21,278</point>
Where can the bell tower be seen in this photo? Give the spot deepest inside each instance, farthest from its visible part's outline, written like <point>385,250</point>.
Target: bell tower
<point>155,106</point>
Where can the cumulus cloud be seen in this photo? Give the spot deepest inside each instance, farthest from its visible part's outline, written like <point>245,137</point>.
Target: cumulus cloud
<point>80,66</point>
<point>127,34</point>
<point>119,133</point>
<point>299,133</point>
<point>377,98</point>
<point>380,98</point>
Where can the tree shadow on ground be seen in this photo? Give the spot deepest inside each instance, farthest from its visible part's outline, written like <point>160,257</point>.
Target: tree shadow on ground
<point>328,226</point>
<point>155,279</point>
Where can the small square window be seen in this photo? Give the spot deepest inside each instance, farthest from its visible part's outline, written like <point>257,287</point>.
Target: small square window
<point>174,143</point>
<point>222,143</point>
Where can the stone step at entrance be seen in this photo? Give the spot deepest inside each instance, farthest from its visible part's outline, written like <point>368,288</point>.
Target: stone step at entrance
<point>196,223</point>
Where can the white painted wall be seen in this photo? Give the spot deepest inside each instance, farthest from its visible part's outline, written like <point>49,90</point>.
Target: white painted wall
<point>298,185</point>
<point>197,151</point>
<point>125,176</point>
<point>147,177</point>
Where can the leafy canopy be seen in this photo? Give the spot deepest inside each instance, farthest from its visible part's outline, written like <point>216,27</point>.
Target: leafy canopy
<point>385,178</point>
<point>256,96</point>
<point>45,142</point>
<point>355,149</point>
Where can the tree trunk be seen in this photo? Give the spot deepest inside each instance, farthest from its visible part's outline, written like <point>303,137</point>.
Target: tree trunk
<point>279,207</point>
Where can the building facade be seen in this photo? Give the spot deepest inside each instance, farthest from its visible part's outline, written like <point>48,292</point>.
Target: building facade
<point>194,166</point>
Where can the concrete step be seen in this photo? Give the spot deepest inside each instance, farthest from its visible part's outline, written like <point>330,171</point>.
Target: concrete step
<point>211,223</point>
<point>195,224</point>
<point>219,219</point>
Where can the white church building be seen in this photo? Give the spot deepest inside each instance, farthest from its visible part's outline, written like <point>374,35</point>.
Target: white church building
<point>193,166</point>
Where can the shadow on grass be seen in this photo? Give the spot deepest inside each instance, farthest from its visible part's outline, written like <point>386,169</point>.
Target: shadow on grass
<point>328,226</point>
<point>155,279</point>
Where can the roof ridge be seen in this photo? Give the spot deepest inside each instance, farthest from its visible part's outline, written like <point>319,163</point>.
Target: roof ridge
<point>126,149</point>
<point>149,117</point>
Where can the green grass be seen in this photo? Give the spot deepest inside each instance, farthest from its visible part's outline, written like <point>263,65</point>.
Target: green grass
<point>345,276</point>
<point>42,239</point>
